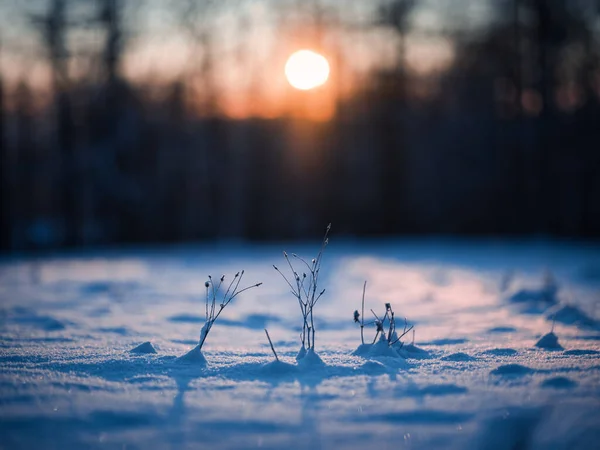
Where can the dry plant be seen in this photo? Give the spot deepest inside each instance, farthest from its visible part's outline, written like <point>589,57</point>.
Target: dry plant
<point>305,289</point>
<point>389,316</point>
<point>214,308</point>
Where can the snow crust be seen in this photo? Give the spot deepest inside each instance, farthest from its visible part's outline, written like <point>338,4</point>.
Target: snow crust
<point>474,378</point>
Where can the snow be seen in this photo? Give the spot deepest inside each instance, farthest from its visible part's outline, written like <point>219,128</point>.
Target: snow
<point>310,360</point>
<point>549,341</point>
<point>78,331</point>
<point>301,353</point>
<point>194,356</point>
<point>145,347</point>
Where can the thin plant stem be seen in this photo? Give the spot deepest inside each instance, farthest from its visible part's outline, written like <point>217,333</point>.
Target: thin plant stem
<point>362,317</point>
<point>376,316</point>
<point>402,335</point>
<point>376,335</point>
<point>271,343</point>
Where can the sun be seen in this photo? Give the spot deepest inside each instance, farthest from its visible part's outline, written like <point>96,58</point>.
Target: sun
<point>306,70</point>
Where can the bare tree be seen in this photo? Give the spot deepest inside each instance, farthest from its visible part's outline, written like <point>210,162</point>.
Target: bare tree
<point>5,188</point>
<point>53,26</point>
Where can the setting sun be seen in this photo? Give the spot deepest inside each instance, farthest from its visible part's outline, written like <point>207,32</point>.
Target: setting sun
<point>306,70</point>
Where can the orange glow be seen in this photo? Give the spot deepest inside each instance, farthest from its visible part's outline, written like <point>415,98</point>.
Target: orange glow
<point>306,70</point>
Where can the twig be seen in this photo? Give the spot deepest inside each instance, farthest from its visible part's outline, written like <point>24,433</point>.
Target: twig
<point>271,343</point>
<point>362,318</point>
<point>376,316</point>
<point>402,335</point>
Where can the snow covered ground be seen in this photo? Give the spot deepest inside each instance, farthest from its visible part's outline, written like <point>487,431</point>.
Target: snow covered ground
<point>69,380</point>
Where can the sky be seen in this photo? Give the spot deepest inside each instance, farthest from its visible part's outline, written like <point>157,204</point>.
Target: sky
<point>250,41</point>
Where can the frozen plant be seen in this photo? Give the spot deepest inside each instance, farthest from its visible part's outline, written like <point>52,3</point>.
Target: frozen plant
<point>392,337</point>
<point>214,309</point>
<point>549,341</point>
<point>304,288</point>
<point>386,342</point>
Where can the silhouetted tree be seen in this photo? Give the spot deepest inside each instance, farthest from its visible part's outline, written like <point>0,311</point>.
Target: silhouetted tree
<point>390,121</point>
<point>54,29</point>
<point>6,195</point>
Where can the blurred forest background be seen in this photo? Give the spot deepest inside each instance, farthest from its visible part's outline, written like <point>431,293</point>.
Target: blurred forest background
<point>160,121</point>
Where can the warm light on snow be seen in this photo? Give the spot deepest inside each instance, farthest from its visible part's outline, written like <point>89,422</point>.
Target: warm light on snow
<point>306,70</point>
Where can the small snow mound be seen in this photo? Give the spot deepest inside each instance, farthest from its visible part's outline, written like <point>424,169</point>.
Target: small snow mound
<point>373,368</point>
<point>278,368</point>
<point>512,369</point>
<point>559,383</point>
<point>458,357</point>
<point>144,348</point>
<point>383,353</point>
<point>301,353</point>
<point>311,359</point>
<point>571,315</point>
<point>549,342</point>
<point>414,352</point>
<point>194,356</point>
<point>362,350</point>
<point>382,348</point>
